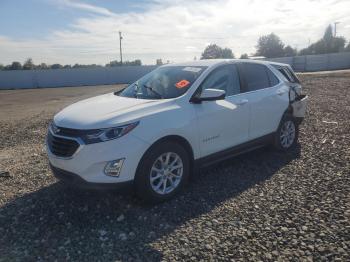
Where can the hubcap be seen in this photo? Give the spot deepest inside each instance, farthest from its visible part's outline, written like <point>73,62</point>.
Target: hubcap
<point>287,135</point>
<point>166,173</point>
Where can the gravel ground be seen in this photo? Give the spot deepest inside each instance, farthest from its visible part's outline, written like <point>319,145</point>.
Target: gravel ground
<point>259,206</point>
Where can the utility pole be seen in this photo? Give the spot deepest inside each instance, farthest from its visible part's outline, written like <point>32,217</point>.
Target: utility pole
<point>120,48</point>
<point>335,28</point>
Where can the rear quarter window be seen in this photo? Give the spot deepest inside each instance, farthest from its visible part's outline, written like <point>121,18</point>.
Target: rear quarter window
<point>287,73</point>
<point>292,75</point>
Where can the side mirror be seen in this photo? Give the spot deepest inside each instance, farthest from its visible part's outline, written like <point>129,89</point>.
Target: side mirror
<point>210,95</point>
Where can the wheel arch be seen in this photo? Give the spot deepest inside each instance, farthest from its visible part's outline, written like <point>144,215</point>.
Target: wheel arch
<point>287,112</point>
<point>174,138</point>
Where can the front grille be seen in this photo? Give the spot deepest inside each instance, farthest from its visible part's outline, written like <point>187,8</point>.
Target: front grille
<point>62,131</point>
<point>61,147</point>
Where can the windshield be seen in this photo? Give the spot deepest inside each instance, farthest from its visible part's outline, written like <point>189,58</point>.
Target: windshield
<point>164,82</point>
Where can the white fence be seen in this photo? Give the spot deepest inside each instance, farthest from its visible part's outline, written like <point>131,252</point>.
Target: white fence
<point>311,63</point>
<point>126,74</point>
<point>71,77</point>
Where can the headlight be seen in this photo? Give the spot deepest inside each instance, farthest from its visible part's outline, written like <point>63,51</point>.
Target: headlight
<point>101,135</point>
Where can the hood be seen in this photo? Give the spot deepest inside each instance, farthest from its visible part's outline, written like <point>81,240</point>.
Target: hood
<point>106,111</point>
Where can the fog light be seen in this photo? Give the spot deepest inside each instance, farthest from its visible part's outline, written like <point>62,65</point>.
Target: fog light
<point>114,167</point>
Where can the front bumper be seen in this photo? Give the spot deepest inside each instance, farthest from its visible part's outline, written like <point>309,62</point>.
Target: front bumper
<point>89,161</point>
<point>76,181</point>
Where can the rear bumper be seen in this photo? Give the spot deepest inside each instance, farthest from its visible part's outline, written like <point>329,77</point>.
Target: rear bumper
<point>299,106</point>
<point>76,181</point>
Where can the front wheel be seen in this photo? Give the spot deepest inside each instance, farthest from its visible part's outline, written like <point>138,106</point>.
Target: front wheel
<point>162,172</point>
<point>287,133</point>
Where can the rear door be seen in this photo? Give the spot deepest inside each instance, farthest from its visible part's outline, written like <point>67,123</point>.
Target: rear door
<point>267,96</point>
<point>222,123</point>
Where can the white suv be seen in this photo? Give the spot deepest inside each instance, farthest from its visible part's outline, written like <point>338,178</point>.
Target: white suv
<point>157,131</point>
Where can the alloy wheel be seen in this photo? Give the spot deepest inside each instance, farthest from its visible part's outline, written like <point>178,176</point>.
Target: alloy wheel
<point>287,134</point>
<point>166,173</point>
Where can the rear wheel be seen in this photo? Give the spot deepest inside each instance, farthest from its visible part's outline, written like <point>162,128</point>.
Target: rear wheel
<point>162,172</point>
<point>287,133</point>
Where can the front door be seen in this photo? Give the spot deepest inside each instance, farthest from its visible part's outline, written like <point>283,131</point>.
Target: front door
<point>223,123</point>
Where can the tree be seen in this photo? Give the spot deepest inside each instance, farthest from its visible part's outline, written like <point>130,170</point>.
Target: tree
<point>56,66</point>
<point>136,62</point>
<point>337,45</point>
<point>211,52</point>
<point>15,66</point>
<point>327,44</point>
<point>244,56</point>
<point>28,64</point>
<point>43,66</point>
<point>1,67</point>
<point>328,34</point>
<point>318,47</point>
<point>289,51</point>
<point>159,61</point>
<point>227,53</point>
<point>270,46</point>
<point>214,51</point>
<point>333,44</point>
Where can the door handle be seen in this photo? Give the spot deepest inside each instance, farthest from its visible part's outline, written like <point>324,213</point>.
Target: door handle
<point>242,102</point>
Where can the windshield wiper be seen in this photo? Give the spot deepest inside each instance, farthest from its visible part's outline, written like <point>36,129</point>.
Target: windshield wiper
<point>154,91</point>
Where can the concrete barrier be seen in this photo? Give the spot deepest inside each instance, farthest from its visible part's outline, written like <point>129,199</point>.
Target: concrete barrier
<point>312,63</point>
<point>127,74</point>
<point>19,79</point>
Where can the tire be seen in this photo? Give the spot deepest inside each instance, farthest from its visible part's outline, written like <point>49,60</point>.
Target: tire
<point>154,169</point>
<point>286,136</point>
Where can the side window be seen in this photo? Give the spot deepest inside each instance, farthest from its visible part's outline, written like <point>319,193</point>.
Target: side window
<point>236,88</point>
<point>223,78</point>
<point>255,76</point>
<point>273,79</point>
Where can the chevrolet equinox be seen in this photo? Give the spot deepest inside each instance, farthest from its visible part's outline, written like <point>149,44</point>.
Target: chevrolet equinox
<point>157,131</point>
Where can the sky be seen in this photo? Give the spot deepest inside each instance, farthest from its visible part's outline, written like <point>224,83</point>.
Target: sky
<point>86,31</point>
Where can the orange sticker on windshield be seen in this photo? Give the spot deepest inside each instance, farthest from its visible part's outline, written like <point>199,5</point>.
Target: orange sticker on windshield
<point>182,84</point>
